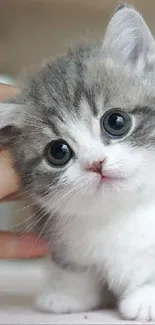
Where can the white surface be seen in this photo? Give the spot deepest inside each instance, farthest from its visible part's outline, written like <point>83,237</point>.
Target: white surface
<point>19,283</point>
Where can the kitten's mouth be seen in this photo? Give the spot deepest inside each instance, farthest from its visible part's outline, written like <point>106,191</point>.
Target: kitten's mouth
<point>109,178</point>
<point>106,179</point>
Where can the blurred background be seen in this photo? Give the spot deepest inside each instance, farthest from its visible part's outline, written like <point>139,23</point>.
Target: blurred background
<point>32,30</point>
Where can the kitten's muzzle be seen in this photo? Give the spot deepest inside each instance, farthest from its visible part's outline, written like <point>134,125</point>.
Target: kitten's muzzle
<point>98,168</point>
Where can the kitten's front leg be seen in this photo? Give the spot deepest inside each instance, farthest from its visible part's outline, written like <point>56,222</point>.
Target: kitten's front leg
<point>134,276</point>
<point>138,300</point>
<point>70,292</point>
<point>139,304</point>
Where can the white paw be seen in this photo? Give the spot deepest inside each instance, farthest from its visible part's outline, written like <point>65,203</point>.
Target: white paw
<point>139,305</point>
<point>57,302</point>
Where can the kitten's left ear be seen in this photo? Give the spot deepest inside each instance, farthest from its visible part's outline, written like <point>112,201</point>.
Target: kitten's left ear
<point>129,40</point>
<point>11,117</point>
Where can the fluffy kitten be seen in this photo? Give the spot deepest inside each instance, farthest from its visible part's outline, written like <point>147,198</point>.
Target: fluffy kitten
<point>82,133</point>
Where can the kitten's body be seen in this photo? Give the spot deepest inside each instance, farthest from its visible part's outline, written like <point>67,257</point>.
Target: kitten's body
<point>101,230</point>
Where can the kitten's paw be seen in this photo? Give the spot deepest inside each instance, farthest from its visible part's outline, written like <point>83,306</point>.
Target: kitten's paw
<point>139,305</point>
<point>57,302</point>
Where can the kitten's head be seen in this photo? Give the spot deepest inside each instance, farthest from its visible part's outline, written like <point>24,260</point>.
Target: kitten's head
<point>83,131</point>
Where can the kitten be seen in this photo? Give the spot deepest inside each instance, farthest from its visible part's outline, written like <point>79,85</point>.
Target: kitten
<point>82,134</point>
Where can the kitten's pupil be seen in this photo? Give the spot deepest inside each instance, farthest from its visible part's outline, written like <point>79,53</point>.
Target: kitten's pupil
<point>58,153</point>
<point>116,121</point>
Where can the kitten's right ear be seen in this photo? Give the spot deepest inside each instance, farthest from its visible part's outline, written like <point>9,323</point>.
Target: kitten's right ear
<point>10,122</point>
<point>128,40</point>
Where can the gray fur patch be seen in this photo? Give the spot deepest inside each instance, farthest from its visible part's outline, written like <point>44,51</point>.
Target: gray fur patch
<point>105,76</point>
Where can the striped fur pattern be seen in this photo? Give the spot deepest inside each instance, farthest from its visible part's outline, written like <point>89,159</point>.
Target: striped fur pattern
<point>102,235</point>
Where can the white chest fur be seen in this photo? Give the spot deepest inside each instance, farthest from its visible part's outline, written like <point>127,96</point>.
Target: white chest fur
<point>123,250</point>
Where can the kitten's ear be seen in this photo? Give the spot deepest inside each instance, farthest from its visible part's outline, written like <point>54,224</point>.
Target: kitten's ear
<point>10,123</point>
<point>129,40</point>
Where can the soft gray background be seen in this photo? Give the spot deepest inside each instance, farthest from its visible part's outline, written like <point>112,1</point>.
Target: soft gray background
<point>31,30</point>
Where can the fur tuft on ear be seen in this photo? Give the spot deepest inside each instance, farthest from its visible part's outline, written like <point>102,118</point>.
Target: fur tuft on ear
<point>120,7</point>
<point>129,40</point>
<point>10,123</point>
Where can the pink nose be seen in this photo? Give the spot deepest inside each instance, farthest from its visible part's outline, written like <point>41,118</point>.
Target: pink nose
<point>95,167</point>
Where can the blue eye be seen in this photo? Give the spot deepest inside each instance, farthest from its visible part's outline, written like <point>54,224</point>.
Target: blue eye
<point>116,123</point>
<point>58,153</point>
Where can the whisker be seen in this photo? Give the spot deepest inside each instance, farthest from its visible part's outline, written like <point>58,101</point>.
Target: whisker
<point>32,204</point>
<point>55,202</point>
<point>44,227</point>
<point>32,225</point>
<point>29,218</point>
<point>38,220</point>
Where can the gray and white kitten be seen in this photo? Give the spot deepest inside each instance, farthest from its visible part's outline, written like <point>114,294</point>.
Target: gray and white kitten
<point>82,134</point>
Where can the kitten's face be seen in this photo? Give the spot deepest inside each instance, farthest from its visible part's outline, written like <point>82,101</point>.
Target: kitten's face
<point>88,133</point>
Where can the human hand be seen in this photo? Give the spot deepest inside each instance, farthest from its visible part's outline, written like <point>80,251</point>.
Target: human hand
<point>11,245</point>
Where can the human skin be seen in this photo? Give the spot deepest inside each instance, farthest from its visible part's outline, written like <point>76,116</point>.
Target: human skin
<point>11,244</point>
